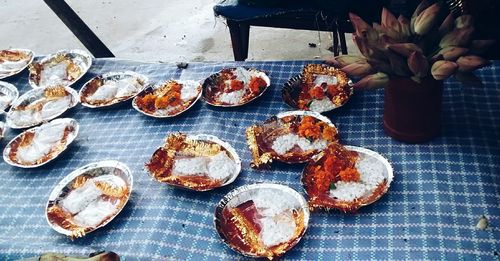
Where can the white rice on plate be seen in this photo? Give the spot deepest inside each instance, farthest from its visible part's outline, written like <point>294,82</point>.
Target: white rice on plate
<point>217,167</point>
<point>285,143</point>
<point>371,176</point>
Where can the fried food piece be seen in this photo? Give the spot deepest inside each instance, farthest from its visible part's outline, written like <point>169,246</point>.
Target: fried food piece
<point>257,84</point>
<point>13,56</point>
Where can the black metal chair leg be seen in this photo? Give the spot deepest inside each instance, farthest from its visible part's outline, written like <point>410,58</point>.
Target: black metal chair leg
<point>239,39</point>
<point>335,42</point>
<point>245,38</point>
<point>343,44</point>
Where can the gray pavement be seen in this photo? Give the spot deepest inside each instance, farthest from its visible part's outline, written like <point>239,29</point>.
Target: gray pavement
<point>153,30</point>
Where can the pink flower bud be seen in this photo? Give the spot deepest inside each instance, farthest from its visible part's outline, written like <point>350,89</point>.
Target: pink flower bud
<point>418,64</point>
<point>362,45</point>
<point>464,21</point>
<point>405,49</point>
<point>471,62</point>
<point>421,7</point>
<point>451,53</point>
<point>457,37</point>
<point>404,24</point>
<point>447,25</point>
<point>443,69</point>
<point>372,81</point>
<point>360,26</point>
<point>426,20</point>
<point>343,60</point>
<point>388,19</point>
<point>358,69</point>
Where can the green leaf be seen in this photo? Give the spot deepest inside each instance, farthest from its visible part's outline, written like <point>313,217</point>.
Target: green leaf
<point>332,185</point>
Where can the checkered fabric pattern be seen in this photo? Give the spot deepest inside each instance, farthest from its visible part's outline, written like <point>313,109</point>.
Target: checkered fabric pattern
<point>440,190</point>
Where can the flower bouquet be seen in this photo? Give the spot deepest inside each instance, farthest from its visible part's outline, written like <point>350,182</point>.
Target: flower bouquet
<point>410,58</point>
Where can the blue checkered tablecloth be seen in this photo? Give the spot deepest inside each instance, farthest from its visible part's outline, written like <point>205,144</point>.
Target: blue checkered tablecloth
<point>441,188</point>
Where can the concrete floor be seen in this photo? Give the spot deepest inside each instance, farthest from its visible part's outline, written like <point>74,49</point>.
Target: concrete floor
<point>154,30</point>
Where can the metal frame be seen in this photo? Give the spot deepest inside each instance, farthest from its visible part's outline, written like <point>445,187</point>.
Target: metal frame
<point>74,23</point>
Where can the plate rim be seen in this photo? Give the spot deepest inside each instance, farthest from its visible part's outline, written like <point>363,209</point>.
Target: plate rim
<point>22,68</point>
<point>81,52</point>
<point>235,105</point>
<point>54,193</point>
<point>7,148</point>
<point>110,74</point>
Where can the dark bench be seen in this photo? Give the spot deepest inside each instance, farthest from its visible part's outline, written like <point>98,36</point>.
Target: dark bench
<point>296,14</point>
<point>303,16</point>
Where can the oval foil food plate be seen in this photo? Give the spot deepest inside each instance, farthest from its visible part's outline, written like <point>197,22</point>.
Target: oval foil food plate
<point>61,68</point>
<point>290,137</point>
<point>8,94</point>
<point>40,145</point>
<point>40,105</point>
<point>14,61</point>
<point>318,88</point>
<point>89,198</point>
<point>232,87</point>
<point>112,88</point>
<point>169,99</point>
<point>354,177</point>
<point>262,220</point>
<point>196,162</point>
